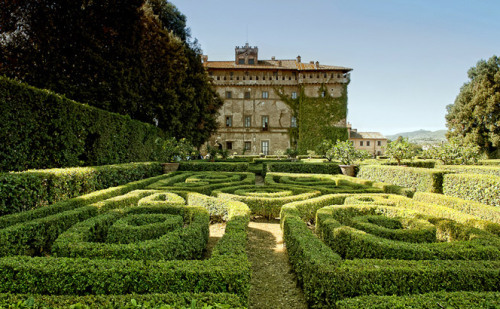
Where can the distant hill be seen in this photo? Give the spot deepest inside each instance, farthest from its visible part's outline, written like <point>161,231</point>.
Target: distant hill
<point>421,136</point>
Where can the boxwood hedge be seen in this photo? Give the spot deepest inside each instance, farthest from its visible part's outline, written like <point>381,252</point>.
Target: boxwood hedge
<point>418,179</point>
<point>41,129</point>
<point>480,188</point>
<point>37,188</point>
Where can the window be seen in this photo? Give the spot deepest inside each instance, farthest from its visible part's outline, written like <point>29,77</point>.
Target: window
<point>361,143</point>
<point>229,145</point>
<point>367,143</point>
<point>294,95</point>
<point>265,123</point>
<point>248,121</point>
<point>251,61</point>
<point>247,95</point>
<point>265,147</point>
<point>229,94</point>
<point>379,143</point>
<point>248,146</point>
<point>241,61</point>
<point>293,122</point>
<point>229,121</point>
<point>265,94</point>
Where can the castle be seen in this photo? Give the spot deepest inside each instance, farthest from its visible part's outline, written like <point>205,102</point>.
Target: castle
<point>272,105</point>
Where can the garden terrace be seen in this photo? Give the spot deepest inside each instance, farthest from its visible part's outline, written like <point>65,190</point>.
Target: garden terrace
<point>109,245</point>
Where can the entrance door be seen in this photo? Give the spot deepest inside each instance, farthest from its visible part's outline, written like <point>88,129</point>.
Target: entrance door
<point>265,147</point>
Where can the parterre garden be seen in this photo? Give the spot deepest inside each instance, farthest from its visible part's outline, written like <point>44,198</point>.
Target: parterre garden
<point>387,239</point>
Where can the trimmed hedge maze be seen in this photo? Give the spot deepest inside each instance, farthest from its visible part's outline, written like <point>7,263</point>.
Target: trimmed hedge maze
<point>369,245</point>
<point>124,246</point>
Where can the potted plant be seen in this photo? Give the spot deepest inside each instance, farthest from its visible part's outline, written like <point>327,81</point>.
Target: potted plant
<point>345,152</point>
<point>170,149</point>
<point>292,153</point>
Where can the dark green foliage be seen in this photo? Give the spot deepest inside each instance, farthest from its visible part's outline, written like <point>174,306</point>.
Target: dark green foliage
<point>116,55</point>
<point>418,179</point>
<point>227,271</point>
<point>475,114</point>
<point>95,238</point>
<point>38,188</point>
<point>299,167</point>
<point>462,300</point>
<point>480,188</point>
<point>147,301</point>
<point>40,129</point>
<point>213,166</point>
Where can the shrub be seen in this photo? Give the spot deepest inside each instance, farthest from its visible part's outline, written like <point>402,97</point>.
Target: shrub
<point>261,203</point>
<point>38,188</point>
<point>462,299</point>
<point>40,129</point>
<point>227,271</point>
<point>480,188</point>
<point>476,209</point>
<point>298,167</point>
<point>414,163</point>
<point>358,231</point>
<point>472,169</point>
<point>418,179</point>
<point>197,166</point>
<point>166,300</point>
<point>345,152</point>
<point>326,278</point>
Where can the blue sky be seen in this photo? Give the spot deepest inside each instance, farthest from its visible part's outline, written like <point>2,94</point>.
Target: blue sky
<point>409,57</point>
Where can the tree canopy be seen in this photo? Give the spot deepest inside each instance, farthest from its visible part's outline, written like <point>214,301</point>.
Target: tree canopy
<point>475,115</point>
<point>133,57</point>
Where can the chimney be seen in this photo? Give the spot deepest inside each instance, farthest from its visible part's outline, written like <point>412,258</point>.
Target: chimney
<point>317,64</point>
<point>311,62</point>
<point>298,59</point>
<point>273,58</point>
<point>279,63</point>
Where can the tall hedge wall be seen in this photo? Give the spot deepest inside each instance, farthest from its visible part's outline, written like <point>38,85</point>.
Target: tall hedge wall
<point>40,129</point>
<point>418,179</point>
<point>472,169</point>
<point>21,191</point>
<point>480,188</point>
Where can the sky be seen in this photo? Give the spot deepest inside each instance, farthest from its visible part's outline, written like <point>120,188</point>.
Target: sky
<point>409,57</point>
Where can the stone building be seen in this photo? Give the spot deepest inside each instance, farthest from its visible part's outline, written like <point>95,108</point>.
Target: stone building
<point>265,106</point>
<point>373,142</point>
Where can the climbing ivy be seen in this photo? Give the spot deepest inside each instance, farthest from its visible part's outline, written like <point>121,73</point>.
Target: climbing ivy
<point>316,117</point>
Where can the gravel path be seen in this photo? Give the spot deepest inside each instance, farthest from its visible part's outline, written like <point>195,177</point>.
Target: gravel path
<point>273,283</point>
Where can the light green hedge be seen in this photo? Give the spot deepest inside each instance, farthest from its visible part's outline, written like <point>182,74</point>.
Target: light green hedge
<point>479,210</point>
<point>480,188</point>
<point>145,301</point>
<point>406,238</point>
<point>472,169</point>
<point>327,279</point>
<point>418,179</point>
<point>300,167</point>
<point>261,203</point>
<point>462,300</point>
<point>38,188</point>
<point>197,166</point>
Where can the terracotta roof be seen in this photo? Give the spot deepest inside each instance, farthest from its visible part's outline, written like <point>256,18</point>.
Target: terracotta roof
<point>273,64</point>
<point>367,135</point>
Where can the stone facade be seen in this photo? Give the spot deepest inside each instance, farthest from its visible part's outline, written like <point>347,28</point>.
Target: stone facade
<point>254,119</point>
<point>373,142</point>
